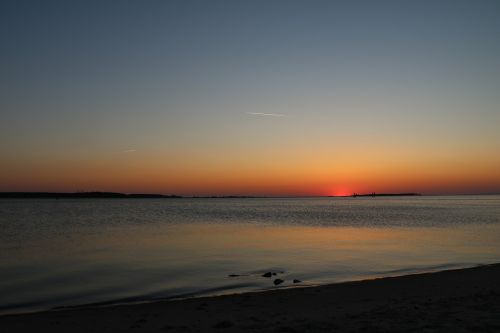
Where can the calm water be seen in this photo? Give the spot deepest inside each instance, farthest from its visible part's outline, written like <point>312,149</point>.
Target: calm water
<point>69,252</point>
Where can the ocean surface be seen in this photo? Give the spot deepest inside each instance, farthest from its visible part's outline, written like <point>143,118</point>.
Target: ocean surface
<point>67,252</point>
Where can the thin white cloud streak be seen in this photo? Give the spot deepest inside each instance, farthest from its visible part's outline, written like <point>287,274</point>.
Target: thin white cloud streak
<point>266,114</point>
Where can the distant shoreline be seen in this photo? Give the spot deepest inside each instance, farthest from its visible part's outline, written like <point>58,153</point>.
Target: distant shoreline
<point>104,195</point>
<point>410,194</point>
<point>80,195</point>
<point>117,195</point>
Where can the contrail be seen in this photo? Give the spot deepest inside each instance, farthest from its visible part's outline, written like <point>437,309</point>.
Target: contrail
<point>267,114</point>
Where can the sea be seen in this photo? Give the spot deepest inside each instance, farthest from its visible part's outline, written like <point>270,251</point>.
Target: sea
<point>63,253</point>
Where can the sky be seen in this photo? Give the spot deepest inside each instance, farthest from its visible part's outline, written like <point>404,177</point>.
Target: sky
<point>250,97</point>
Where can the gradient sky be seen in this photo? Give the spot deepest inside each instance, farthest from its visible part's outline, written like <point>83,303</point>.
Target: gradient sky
<point>250,97</point>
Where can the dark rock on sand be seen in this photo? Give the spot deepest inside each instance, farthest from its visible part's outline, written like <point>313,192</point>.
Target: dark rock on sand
<point>278,281</point>
<point>268,274</point>
<point>234,275</point>
<point>296,281</point>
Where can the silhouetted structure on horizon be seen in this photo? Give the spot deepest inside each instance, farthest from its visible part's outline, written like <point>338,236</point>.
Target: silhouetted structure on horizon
<point>373,194</point>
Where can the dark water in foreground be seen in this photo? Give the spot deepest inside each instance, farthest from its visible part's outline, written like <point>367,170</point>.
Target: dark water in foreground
<point>79,251</point>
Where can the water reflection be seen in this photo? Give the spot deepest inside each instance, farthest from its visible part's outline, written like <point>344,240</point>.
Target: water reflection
<point>138,262</point>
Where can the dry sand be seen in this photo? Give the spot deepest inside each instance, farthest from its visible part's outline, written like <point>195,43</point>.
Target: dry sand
<point>466,300</point>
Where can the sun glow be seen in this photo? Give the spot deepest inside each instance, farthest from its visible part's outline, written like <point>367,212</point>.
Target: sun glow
<point>340,192</point>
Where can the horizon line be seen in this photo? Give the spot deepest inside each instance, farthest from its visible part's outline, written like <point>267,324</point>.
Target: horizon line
<point>103,194</point>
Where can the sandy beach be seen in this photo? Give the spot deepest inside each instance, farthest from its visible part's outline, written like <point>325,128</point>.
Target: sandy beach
<point>464,300</point>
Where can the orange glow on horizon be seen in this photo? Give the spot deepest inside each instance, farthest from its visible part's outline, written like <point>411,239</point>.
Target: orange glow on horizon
<point>292,172</point>
<point>340,191</point>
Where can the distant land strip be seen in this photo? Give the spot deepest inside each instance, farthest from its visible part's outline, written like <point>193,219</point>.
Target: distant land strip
<point>354,195</point>
<point>33,195</point>
<point>103,195</point>
<point>106,195</point>
<point>110,195</point>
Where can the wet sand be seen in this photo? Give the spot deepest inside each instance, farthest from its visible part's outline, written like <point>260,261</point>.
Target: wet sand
<point>465,300</point>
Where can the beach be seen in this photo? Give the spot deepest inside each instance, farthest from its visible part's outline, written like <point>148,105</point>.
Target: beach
<point>462,300</point>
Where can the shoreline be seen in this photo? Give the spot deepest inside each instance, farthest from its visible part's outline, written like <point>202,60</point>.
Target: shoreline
<point>205,293</point>
<point>465,299</point>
